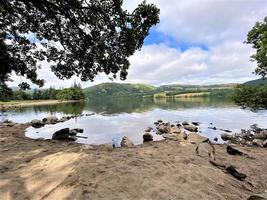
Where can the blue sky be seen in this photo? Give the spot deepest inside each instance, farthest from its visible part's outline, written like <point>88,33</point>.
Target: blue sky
<point>196,42</point>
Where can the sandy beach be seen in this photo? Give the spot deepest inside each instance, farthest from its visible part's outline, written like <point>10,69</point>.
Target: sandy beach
<point>46,169</point>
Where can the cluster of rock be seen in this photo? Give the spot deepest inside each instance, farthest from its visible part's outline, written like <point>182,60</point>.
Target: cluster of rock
<point>182,132</point>
<point>54,120</point>
<point>67,134</point>
<point>253,137</point>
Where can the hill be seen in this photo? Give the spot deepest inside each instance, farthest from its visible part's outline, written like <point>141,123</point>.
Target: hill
<point>128,90</point>
<point>257,82</point>
<point>118,89</point>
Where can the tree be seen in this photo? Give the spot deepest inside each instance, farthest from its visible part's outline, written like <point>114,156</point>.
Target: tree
<point>77,37</point>
<point>257,36</point>
<point>70,94</point>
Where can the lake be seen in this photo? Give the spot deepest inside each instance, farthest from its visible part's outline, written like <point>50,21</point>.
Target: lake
<point>115,118</point>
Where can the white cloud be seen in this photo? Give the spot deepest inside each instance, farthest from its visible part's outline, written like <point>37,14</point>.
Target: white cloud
<point>220,25</point>
<point>207,21</point>
<point>157,64</point>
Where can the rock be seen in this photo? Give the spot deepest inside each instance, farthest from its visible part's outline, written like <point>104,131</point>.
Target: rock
<point>50,120</point>
<point>185,136</point>
<point>149,129</point>
<point>63,134</point>
<point>232,170</point>
<point>196,123</point>
<point>265,143</point>
<point>258,196</point>
<point>78,130</point>
<point>126,142</point>
<point>225,130</point>
<point>196,138</point>
<point>215,139</point>
<point>233,151</point>
<point>179,125</point>
<point>175,130</point>
<point>206,150</point>
<point>174,137</point>
<point>37,123</point>
<point>185,123</point>
<point>261,135</point>
<point>163,129</point>
<point>229,169</point>
<point>226,137</point>
<point>147,137</point>
<point>191,128</point>
<point>73,132</point>
<point>213,128</point>
<point>257,142</point>
<point>64,119</point>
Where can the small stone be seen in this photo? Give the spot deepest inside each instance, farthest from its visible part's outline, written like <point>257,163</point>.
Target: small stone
<point>126,142</point>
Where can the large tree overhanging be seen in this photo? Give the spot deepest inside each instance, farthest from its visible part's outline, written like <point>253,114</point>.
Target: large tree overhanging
<point>257,36</point>
<point>81,37</point>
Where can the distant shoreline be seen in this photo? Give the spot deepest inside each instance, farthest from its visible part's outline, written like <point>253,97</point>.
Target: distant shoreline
<point>26,103</point>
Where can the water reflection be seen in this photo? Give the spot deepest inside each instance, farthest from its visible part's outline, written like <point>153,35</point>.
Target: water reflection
<point>129,117</point>
<point>139,105</point>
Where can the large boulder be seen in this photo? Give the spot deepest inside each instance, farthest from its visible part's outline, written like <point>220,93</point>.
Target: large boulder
<point>147,137</point>
<point>37,123</point>
<point>63,134</point>
<point>191,128</point>
<point>126,142</point>
<point>50,120</point>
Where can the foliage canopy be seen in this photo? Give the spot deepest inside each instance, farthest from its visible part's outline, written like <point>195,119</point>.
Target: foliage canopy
<point>78,37</point>
<point>257,36</point>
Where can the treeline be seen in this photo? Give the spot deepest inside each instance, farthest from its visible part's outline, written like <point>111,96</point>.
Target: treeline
<point>73,93</point>
<point>251,96</point>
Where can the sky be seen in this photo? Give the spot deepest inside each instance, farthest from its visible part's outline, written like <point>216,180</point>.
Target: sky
<point>196,42</point>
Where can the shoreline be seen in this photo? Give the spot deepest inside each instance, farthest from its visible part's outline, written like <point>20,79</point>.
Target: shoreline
<point>49,169</point>
<point>26,103</point>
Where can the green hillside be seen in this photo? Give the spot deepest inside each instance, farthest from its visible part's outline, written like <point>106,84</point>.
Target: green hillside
<point>118,89</point>
<point>128,90</point>
<point>257,82</point>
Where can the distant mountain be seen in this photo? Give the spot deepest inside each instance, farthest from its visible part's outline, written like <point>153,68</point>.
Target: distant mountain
<point>128,90</point>
<point>118,89</point>
<point>256,82</point>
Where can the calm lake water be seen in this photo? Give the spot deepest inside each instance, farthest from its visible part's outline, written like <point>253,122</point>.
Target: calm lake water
<point>129,117</point>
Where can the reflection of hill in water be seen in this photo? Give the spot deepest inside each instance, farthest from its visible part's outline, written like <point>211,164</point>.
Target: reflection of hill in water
<point>129,105</point>
<point>66,108</point>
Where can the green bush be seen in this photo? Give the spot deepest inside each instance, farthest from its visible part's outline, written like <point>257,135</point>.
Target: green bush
<point>252,96</point>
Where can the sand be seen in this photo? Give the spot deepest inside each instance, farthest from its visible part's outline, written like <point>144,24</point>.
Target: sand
<point>44,169</point>
<point>17,104</point>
